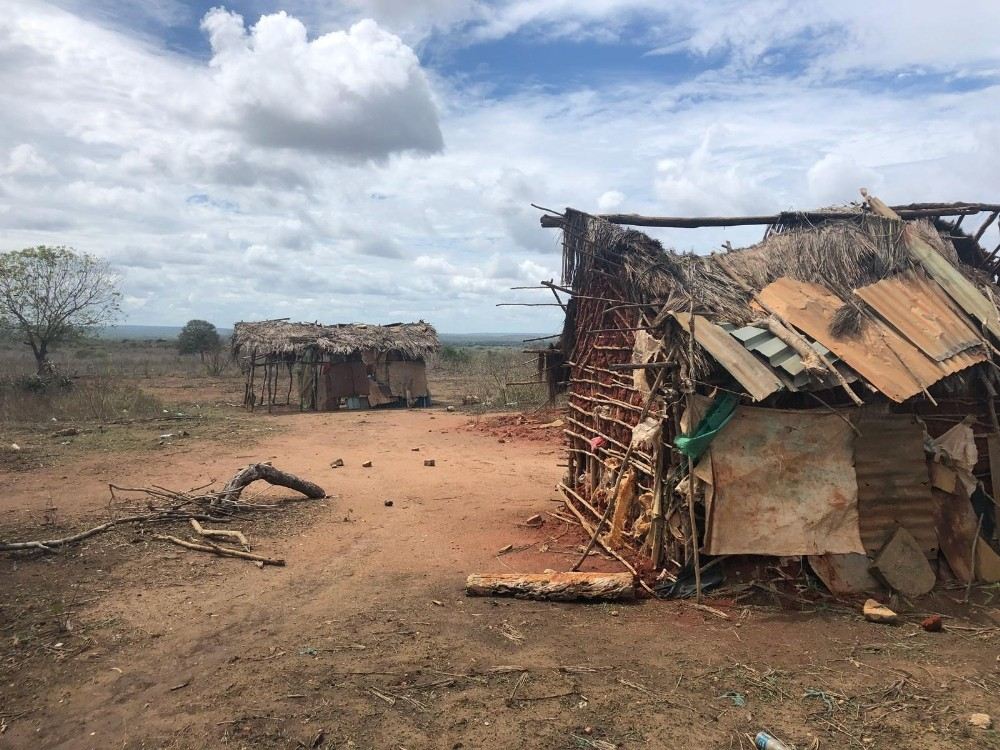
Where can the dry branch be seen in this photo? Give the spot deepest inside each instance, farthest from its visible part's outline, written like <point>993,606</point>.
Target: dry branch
<point>246,476</point>
<point>222,551</point>
<point>193,506</point>
<point>221,534</point>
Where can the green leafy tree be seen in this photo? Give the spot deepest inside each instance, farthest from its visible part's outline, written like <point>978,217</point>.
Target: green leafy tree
<point>53,295</point>
<point>198,337</point>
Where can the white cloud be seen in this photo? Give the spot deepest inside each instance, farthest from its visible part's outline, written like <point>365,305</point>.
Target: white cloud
<point>358,93</point>
<point>610,200</point>
<point>835,176</point>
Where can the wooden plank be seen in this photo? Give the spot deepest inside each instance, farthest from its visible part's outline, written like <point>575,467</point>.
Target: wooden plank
<point>880,355</point>
<point>958,287</point>
<point>759,381</point>
<point>921,311</point>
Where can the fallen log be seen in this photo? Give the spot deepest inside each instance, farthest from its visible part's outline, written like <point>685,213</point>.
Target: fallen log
<point>562,587</point>
<point>250,474</point>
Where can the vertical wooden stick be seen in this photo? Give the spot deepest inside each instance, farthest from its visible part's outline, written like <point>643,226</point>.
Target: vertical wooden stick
<point>972,560</point>
<point>692,480</point>
<point>656,529</point>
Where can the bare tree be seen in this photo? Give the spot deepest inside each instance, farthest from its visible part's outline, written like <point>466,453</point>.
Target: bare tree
<point>50,295</point>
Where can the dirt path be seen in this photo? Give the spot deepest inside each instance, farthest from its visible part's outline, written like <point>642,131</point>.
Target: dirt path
<point>365,640</point>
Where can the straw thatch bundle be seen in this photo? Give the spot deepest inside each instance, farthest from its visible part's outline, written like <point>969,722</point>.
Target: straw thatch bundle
<point>273,338</point>
<point>842,255</point>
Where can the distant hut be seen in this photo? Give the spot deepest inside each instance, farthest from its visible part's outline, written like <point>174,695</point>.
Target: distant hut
<point>822,394</point>
<point>352,365</point>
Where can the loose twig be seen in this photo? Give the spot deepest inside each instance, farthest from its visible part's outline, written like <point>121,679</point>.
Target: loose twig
<point>222,551</point>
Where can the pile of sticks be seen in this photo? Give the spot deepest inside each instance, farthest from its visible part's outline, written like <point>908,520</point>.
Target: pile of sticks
<point>196,506</point>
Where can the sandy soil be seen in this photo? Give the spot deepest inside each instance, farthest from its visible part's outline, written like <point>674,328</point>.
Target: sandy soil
<point>365,639</point>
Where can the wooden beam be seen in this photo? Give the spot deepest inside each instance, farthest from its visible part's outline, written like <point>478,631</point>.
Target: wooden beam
<point>911,211</point>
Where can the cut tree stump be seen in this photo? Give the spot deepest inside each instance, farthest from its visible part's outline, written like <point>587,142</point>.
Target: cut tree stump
<point>563,587</point>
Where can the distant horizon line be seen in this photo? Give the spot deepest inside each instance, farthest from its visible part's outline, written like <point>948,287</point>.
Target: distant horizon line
<point>229,328</point>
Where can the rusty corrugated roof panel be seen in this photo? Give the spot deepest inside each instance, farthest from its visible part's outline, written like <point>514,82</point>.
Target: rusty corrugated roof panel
<point>878,354</point>
<point>893,483</point>
<point>923,313</point>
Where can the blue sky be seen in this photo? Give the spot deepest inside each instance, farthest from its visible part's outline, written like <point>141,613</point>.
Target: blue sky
<point>376,159</point>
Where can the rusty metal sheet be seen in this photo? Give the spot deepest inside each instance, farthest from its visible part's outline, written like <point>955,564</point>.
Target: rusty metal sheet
<point>752,374</point>
<point>893,481</point>
<point>956,526</point>
<point>781,484</point>
<point>845,574</point>
<point>922,312</point>
<point>880,355</point>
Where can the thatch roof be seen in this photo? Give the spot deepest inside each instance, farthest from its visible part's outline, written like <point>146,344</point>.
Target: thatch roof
<point>841,254</point>
<point>281,337</point>
<point>842,251</point>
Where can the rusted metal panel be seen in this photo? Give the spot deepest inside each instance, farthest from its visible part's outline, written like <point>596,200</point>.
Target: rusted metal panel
<point>922,312</point>
<point>780,483</point>
<point>878,354</point>
<point>752,374</point>
<point>893,481</point>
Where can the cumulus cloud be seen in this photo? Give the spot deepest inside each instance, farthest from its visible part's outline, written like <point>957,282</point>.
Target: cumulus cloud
<point>836,176</point>
<point>610,200</point>
<point>359,93</point>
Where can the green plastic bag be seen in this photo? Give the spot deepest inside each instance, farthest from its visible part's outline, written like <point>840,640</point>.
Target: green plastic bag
<point>720,411</point>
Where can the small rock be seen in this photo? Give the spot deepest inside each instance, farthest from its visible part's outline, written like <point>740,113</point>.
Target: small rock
<point>932,624</point>
<point>15,447</point>
<point>336,463</point>
<point>614,613</point>
<point>367,464</point>
<point>387,503</point>
<point>68,432</point>
<point>501,440</point>
<point>450,408</point>
<point>981,721</point>
<point>414,449</point>
<point>429,462</point>
<point>875,612</point>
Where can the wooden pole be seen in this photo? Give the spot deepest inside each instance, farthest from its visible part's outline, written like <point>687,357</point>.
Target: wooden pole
<point>912,211</point>
<point>692,480</point>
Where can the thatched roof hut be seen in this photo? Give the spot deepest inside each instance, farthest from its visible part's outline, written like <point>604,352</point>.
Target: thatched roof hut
<point>836,349</point>
<point>352,365</point>
<point>281,337</point>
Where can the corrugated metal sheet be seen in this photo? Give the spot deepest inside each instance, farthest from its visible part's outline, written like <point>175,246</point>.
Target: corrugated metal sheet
<point>878,354</point>
<point>784,361</point>
<point>893,482</point>
<point>751,373</point>
<point>922,312</point>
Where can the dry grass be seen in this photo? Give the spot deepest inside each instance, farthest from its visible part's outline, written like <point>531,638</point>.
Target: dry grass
<point>489,377</point>
<point>93,399</point>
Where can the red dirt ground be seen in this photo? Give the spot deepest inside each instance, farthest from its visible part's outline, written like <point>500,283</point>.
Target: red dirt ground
<point>365,639</point>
